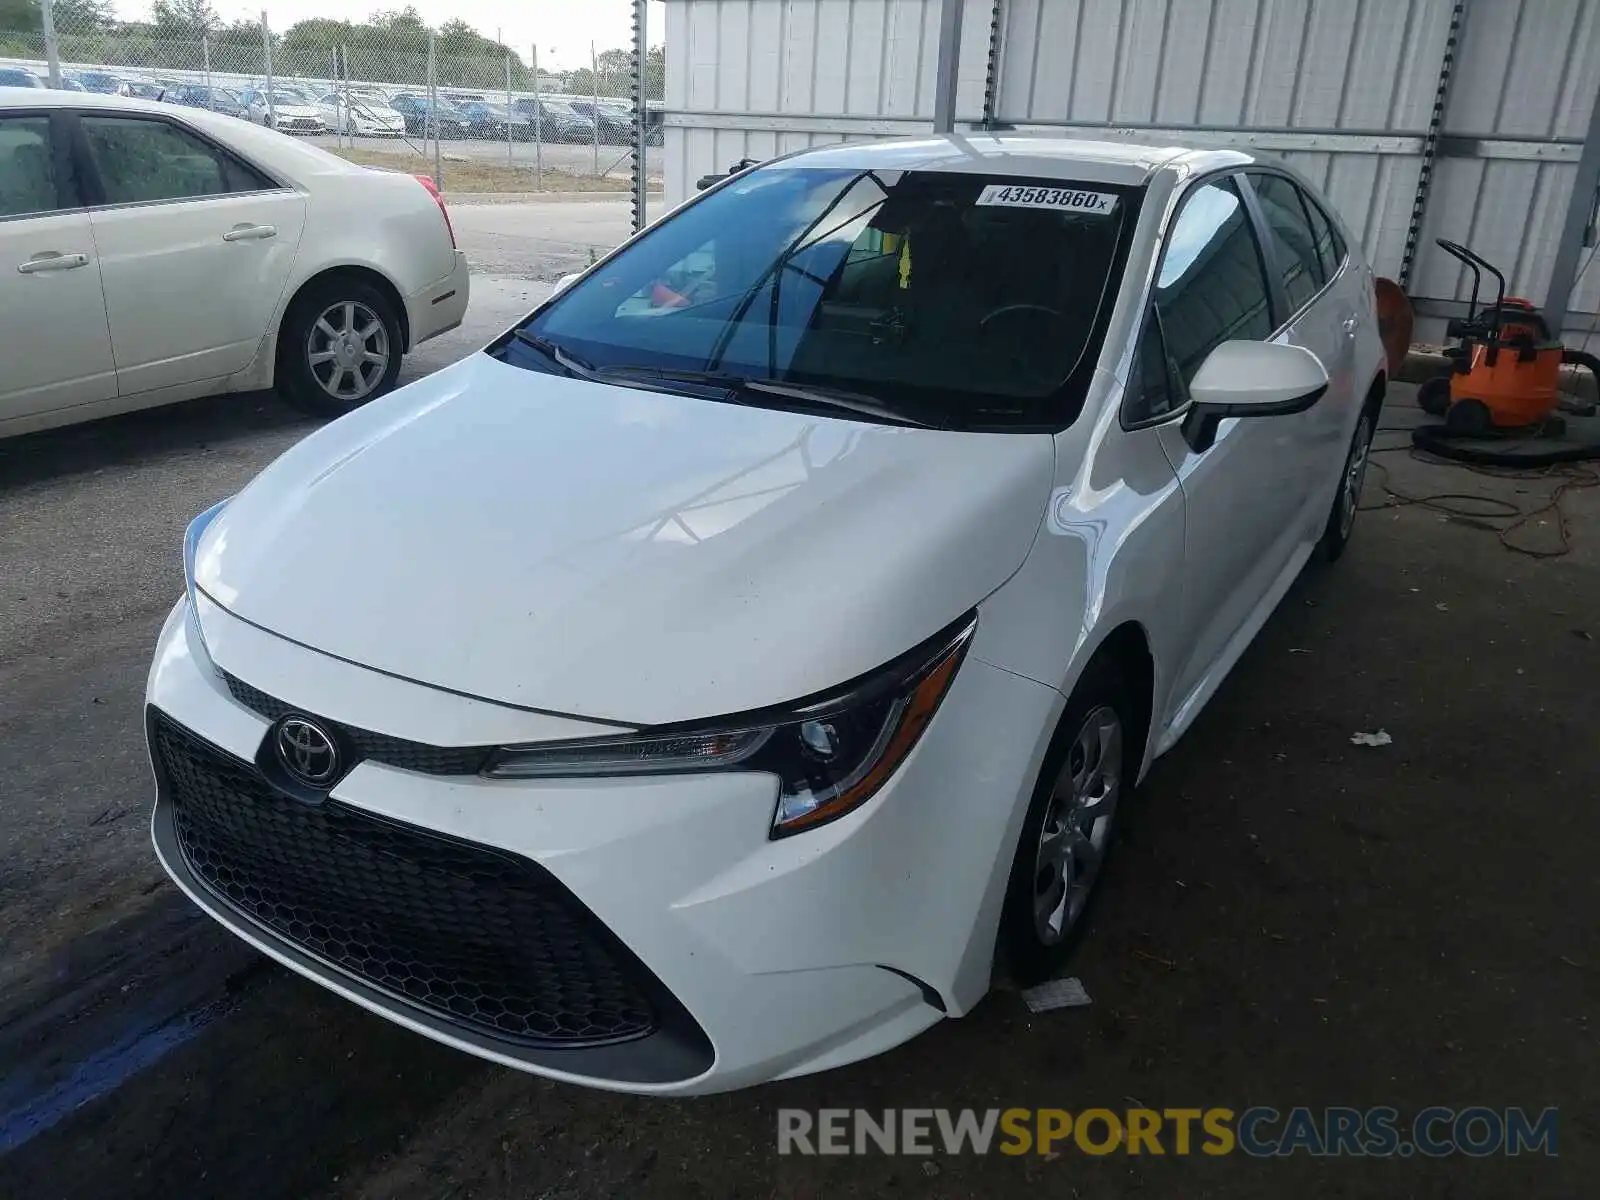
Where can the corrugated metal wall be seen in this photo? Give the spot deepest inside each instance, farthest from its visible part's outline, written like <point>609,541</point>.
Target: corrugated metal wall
<point>1344,89</point>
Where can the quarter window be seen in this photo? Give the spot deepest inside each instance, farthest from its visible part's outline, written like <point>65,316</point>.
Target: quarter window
<point>27,170</point>
<point>1149,394</point>
<point>143,160</point>
<point>1212,286</point>
<point>1298,260</point>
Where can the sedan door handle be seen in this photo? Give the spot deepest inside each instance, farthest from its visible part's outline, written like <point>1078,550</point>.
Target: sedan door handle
<point>250,233</point>
<point>52,260</point>
<point>1351,324</point>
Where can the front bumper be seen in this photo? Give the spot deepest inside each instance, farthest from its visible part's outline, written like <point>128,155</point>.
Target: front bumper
<point>762,959</point>
<point>441,305</point>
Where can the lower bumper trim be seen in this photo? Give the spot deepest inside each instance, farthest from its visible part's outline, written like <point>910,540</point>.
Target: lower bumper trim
<point>677,1050</point>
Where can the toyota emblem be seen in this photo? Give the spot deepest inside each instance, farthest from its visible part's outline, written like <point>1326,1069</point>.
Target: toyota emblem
<point>307,751</point>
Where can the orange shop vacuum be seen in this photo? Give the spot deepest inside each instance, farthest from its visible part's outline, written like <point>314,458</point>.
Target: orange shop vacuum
<point>1503,379</point>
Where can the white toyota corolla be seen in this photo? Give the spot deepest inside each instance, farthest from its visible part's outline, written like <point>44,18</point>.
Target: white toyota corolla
<point>709,681</point>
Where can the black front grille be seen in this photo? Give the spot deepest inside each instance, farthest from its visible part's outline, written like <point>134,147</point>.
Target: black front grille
<point>364,743</point>
<point>482,938</point>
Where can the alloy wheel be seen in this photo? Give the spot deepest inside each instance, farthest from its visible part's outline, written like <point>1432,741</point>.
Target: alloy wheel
<point>348,351</point>
<point>1355,476</point>
<point>1077,825</point>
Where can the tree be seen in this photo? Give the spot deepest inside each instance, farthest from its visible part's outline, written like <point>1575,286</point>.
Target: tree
<point>189,20</point>
<point>71,16</point>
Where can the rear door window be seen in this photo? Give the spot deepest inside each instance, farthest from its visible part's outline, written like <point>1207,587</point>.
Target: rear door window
<point>143,160</point>
<point>1298,261</point>
<point>1330,246</point>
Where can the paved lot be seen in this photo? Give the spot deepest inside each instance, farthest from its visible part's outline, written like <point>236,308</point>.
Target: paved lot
<point>1290,919</point>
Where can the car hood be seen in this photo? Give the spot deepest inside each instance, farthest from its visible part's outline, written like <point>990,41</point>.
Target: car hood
<point>617,553</point>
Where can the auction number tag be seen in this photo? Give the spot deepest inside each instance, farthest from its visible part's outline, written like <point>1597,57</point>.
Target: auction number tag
<point>1060,199</point>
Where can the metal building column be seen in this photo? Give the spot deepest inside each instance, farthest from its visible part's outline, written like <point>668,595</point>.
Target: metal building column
<point>641,114</point>
<point>1578,227</point>
<point>1430,142</point>
<point>991,79</point>
<point>947,66</point>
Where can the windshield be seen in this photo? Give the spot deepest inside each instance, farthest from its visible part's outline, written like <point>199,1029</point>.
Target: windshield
<point>950,299</point>
<point>288,96</point>
<point>561,107</point>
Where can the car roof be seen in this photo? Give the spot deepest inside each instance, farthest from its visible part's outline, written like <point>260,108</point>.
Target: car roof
<point>286,156</point>
<point>1066,158</point>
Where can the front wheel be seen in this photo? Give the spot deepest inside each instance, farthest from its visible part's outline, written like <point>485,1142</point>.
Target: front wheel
<point>340,346</point>
<point>1069,827</point>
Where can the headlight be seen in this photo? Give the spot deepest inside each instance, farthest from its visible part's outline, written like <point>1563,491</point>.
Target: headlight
<point>191,543</point>
<point>831,754</point>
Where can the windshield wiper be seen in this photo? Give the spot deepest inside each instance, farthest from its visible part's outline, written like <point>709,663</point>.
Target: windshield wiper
<point>823,397</point>
<point>571,363</point>
<point>827,397</point>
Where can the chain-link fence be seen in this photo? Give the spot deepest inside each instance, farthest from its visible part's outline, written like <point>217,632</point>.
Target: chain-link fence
<point>449,101</point>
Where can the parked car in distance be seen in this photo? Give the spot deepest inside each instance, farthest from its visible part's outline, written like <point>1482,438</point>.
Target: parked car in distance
<point>18,77</point>
<point>192,254</point>
<point>615,121</point>
<point>214,99</point>
<point>103,82</point>
<point>558,122</point>
<point>142,89</point>
<point>576,126</point>
<point>443,120</point>
<point>290,110</point>
<point>69,84</point>
<point>713,678</point>
<point>495,121</point>
<point>367,114</point>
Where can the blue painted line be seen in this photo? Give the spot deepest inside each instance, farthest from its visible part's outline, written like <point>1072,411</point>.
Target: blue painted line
<point>99,1075</point>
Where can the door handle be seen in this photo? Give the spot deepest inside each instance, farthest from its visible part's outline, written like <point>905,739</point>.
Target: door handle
<point>250,233</point>
<point>1351,324</point>
<point>52,260</point>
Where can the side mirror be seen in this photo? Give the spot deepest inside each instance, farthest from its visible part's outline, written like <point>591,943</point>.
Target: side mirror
<point>1251,379</point>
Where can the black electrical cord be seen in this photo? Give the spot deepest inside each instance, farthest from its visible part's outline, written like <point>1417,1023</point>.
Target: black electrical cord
<point>1483,511</point>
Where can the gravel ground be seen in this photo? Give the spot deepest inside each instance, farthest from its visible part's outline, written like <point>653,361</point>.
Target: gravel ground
<point>1289,918</point>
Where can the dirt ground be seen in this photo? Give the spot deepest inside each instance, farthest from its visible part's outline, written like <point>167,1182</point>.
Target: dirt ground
<point>1289,919</point>
<point>480,176</point>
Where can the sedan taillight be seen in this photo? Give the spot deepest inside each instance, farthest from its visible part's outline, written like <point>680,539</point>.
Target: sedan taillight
<point>433,190</point>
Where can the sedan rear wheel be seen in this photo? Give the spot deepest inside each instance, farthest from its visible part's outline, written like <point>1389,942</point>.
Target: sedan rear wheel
<point>340,347</point>
<point>1347,500</point>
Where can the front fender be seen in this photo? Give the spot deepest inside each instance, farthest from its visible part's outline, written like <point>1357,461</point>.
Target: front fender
<point>1109,552</point>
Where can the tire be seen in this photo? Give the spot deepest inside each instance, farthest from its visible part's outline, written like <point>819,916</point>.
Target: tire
<point>1433,396</point>
<point>331,387</point>
<point>1044,918</point>
<point>1469,418</point>
<point>1347,496</point>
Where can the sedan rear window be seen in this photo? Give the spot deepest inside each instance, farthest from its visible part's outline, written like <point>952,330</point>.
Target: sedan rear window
<point>952,299</point>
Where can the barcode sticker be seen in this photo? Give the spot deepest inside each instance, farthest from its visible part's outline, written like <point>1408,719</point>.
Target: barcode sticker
<point>1061,199</point>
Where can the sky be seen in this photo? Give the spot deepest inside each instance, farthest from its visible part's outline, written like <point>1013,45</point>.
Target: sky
<point>563,28</point>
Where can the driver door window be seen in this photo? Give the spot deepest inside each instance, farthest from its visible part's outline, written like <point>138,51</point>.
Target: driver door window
<point>1212,286</point>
